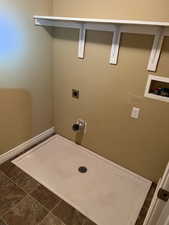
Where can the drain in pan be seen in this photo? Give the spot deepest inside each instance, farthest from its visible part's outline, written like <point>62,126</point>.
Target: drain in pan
<point>82,169</point>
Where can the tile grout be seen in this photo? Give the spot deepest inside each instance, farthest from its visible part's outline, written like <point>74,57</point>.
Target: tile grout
<point>28,194</point>
<point>14,183</point>
<point>42,219</point>
<point>1,216</point>
<point>50,211</point>
<point>13,207</point>
<point>38,202</point>
<point>57,204</point>
<point>11,179</point>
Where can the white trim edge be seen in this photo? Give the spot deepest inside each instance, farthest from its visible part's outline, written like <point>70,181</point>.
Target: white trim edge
<point>109,21</point>
<point>156,50</point>
<point>153,205</point>
<point>28,144</point>
<point>82,38</point>
<point>115,46</point>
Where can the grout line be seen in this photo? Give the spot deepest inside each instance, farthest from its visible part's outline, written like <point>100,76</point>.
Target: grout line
<point>62,223</point>
<point>43,219</point>
<point>26,194</point>
<point>4,174</point>
<point>11,179</point>
<point>56,205</point>
<point>33,189</point>
<point>49,211</point>
<point>39,203</point>
<point>13,207</point>
<point>29,194</point>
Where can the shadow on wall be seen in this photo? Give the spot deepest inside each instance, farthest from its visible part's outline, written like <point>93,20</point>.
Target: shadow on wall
<point>15,118</point>
<point>104,39</point>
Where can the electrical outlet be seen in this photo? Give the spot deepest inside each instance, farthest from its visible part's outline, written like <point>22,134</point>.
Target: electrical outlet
<point>135,113</point>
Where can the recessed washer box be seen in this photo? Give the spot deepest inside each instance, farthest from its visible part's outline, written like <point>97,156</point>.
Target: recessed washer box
<point>157,88</point>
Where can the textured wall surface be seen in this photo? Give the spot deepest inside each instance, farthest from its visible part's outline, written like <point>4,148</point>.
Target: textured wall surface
<point>108,92</point>
<point>154,10</point>
<point>25,72</point>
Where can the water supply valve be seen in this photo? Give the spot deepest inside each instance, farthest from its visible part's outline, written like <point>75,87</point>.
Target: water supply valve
<point>79,125</point>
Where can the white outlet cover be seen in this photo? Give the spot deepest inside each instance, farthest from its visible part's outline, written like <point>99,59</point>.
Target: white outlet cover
<point>135,113</point>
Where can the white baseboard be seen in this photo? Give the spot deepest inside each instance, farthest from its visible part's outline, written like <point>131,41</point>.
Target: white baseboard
<point>28,144</point>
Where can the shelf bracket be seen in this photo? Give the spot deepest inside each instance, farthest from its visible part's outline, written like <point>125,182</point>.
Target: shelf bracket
<point>82,40</point>
<point>115,46</point>
<point>156,50</point>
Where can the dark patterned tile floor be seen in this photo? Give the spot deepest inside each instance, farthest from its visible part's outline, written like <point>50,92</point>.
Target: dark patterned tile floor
<point>10,194</point>
<point>65,212</point>
<point>10,169</point>
<point>23,201</point>
<point>50,219</point>
<point>27,212</point>
<point>24,181</point>
<point>45,197</point>
<point>2,222</point>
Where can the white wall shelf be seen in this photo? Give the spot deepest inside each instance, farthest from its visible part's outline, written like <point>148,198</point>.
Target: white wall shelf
<point>153,84</point>
<point>158,29</point>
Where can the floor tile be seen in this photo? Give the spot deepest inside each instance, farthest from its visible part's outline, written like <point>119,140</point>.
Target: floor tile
<point>26,182</point>
<point>2,223</point>
<point>3,178</point>
<point>45,197</point>
<point>10,194</point>
<point>50,219</point>
<point>65,212</point>
<point>27,212</point>
<point>78,218</point>
<point>10,169</point>
<point>89,222</point>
